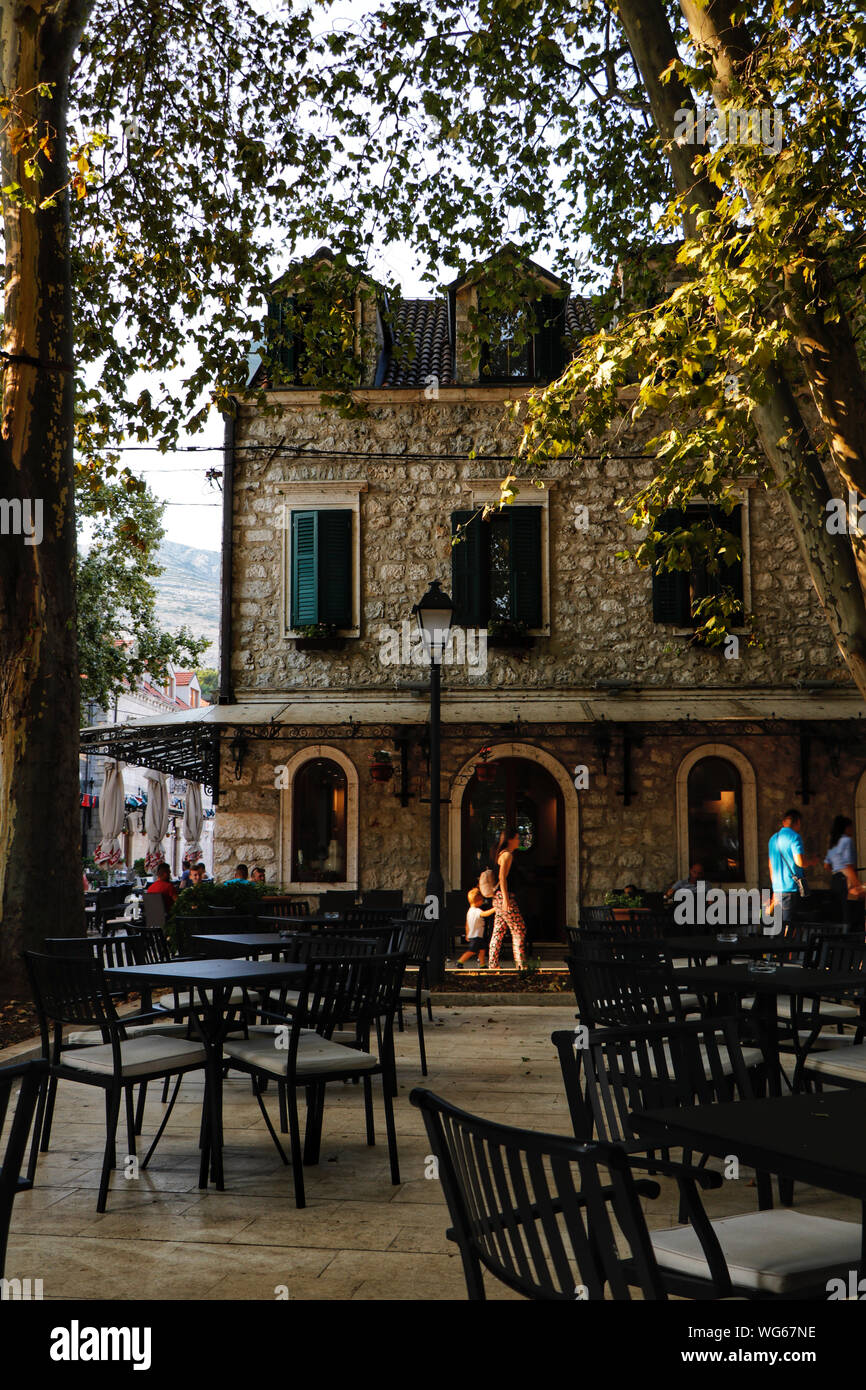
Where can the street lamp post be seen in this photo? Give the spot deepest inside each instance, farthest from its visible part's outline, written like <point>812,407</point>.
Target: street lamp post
<point>434,615</point>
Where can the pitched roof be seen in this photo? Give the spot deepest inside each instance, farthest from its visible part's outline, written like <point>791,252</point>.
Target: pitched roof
<point>421,344</point>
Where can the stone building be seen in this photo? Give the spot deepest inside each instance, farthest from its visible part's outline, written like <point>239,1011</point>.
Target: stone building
<point>623,751</point>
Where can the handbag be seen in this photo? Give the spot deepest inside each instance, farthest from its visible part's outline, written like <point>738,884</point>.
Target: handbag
<point>487,883</point>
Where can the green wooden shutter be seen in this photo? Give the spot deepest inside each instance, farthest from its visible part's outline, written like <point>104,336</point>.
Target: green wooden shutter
<point>335,568</point>
<point>550,338</point>
<point>305,568</point>
<point>671,588</point>
<point>525,549</point>
<point>282,346</point>
<point>470,587</point>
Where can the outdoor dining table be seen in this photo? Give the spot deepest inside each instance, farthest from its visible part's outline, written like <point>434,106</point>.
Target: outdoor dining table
<point>817,1139</point>
<point>707,945</point>
<point>732,982</point>
<point>256,944</point>
<point>319,919</point>
<point>213,981</point>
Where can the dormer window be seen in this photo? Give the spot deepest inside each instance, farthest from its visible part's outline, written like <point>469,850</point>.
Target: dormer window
<point>526,344</point>
<point>509,352</point>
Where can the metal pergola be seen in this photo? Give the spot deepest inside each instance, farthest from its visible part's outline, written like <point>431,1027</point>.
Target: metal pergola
<point>190,751</point>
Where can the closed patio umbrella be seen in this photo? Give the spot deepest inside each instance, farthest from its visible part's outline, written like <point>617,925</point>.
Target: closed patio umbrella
<point>193,820</point>
<point>112,810</point>
<point>155,818</point>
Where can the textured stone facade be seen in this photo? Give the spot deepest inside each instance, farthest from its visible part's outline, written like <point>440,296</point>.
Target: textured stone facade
<point>601,630</point>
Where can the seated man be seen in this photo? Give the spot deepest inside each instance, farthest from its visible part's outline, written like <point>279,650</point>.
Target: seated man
<point>696,873</point>
<point>163,884</point>
<point>241,875</point>
<point>258,875</point>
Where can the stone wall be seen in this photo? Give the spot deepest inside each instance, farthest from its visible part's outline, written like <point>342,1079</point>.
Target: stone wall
<point>601,614</point>
<point>617,843</point>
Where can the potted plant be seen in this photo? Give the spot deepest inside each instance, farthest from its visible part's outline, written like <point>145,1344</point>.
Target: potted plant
<point>509,632</point>
<point>381,765</point>
<point>315,636</point>
<point>624,904</point>
<point>485,770</point>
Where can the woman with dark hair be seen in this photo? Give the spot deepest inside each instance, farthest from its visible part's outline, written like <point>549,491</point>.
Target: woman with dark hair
<point>507,913</point>
<point>841,861</point>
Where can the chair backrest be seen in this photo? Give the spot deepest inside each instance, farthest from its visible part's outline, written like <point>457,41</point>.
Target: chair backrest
<point>153,909</point>
<point>283,907</point>
<point>338,988</point>
<point>591,916</point>
<point>384,897</point>
<point>618,992</point>
<point>67,989</point>
<point>156,948</point>
<point>369,916</point>
<point>317,945</point>
<point>415,940</point>
<point>28,1077</point>
<point>337,901</point>
<point>839,953</point>
<point>107,950</point>
<point>541,1213</point>
<point>610,1073</point>
<point>413,912</point>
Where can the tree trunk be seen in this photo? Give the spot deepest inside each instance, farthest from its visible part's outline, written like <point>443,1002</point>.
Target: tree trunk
<point>781,430</point>
<point>40,869</point>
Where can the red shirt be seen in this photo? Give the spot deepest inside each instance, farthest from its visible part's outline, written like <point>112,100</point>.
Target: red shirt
<point>163,886</point>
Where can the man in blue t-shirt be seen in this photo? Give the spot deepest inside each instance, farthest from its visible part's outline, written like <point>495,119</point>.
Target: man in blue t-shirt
<point>787,863</point>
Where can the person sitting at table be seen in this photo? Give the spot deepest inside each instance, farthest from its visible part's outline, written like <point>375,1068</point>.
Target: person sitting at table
<point>257,875</point>
<point>163,884</point>
<point>696,873</point>
<point>197,875</point>
<point>241,875</point>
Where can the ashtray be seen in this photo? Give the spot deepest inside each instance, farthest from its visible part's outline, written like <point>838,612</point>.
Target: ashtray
<point>286,935</point>
<point>763,967</point>
<point>727,936</point>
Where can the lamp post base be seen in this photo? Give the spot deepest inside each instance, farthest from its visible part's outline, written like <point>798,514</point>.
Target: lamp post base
<point>434,908</point>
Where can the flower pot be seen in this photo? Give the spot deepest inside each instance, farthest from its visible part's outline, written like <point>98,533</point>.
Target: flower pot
<point>381,772</point>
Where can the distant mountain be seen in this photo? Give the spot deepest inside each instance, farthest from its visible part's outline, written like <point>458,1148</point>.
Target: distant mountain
<point>188,593</point>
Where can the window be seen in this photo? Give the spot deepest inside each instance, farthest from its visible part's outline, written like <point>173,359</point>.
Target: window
<point>526,345</point>
<point>715,819</point>
<point>319,822</point>
<point>496,569</point>
<point>677,592</point>
<point>321,568</point>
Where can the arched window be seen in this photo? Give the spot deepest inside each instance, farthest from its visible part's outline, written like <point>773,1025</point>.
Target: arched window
<point>319,823</point>
<point>715,820</point>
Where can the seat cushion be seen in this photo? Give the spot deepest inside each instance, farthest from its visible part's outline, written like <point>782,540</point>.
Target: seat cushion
<point>845,1062</point>
<point>839,1013</point>
<point>406,994</point>
<point>315,1055</point>
<point>92,1037</point>
<point>237,996</point>
<point>777,1252</point>
<point>148,1055</point>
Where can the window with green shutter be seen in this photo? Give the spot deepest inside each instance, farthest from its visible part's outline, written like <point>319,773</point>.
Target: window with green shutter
<point>321,568</point>
<point>496,568</point>
<point>675,592</point>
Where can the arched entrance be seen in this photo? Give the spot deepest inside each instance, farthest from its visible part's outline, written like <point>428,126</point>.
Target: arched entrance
<point>533,791</point>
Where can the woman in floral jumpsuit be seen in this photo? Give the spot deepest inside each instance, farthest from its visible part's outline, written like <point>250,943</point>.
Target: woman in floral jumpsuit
<point>508,915</point>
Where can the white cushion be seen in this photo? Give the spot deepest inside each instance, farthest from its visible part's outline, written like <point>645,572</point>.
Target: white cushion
<point>828,1009</point>
<point>92,1037</point>
<point>848,1062</point>
<point>237,996</point>
<point>315,1054</point>
<point>774,1252</point>
<point>149,1055</point>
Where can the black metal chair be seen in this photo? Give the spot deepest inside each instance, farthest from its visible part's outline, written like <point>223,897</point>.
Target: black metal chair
<point>415,941</point>
<point>153,909</point>
<point>337,900</point>
<point>384,897</point>
<point>768,1253</point>
<point>67,990</point>
<point>838,1066</point>
<point>592,916</point>
<point>614,993</point>
<point>30,1078</point>
<point>283,907</point>
<point>363,988</point>
<point>539,1212</point>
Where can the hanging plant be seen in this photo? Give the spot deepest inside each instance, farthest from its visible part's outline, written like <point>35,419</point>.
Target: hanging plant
<point>381,765</point>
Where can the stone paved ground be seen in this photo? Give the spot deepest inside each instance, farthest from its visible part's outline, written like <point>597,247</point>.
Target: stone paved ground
<point>358,1238</point>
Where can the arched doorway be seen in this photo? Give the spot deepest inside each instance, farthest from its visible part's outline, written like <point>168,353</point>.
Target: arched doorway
<point>524,793</point>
